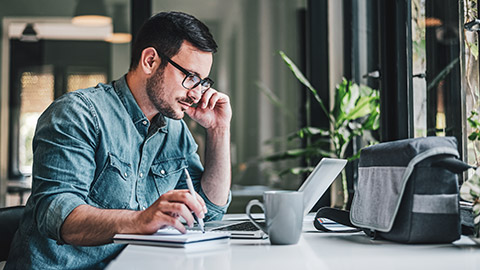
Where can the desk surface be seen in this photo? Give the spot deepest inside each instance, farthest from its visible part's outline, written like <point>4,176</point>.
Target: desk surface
<point>315,250</point>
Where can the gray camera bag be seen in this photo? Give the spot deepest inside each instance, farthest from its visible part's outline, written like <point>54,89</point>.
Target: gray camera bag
<point>407,191</point>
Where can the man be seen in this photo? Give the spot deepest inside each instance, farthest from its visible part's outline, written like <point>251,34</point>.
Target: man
<point>111,159</point>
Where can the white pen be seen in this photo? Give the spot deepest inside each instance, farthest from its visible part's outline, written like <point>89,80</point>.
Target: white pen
<point>192,191</point>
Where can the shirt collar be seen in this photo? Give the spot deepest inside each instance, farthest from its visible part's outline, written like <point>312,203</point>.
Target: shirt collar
<point>131,105</point>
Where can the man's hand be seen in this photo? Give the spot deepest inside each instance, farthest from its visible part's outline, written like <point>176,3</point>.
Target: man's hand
<point>91,226</point>
<point>212,111</point>
<point>167,210</point>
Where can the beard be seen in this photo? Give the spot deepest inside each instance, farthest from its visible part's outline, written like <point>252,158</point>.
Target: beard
<point>156,93</point>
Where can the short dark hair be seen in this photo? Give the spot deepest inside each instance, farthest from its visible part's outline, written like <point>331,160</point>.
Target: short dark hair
<point>166,32</point>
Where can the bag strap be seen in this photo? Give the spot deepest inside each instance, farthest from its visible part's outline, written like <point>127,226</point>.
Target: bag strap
<point>343,217</point>
<point>340,216</point>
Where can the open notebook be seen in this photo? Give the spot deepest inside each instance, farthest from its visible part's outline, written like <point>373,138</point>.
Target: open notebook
<point>313,188</point>
<point>173,238</point>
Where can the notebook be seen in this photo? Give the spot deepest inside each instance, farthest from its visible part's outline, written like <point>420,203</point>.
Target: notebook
<point>313,188</point>
<point>173,238</point>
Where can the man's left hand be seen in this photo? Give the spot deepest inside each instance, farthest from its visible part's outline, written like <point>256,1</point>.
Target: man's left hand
<point>212,111</point>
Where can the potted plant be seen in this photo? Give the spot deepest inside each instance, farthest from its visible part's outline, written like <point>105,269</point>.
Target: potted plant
<point>355,110</point>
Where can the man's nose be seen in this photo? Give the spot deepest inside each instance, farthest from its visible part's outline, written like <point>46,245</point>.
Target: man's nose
<point>195,94</point>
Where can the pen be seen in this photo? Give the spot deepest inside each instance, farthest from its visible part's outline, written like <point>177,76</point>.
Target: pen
<point>192,191</point>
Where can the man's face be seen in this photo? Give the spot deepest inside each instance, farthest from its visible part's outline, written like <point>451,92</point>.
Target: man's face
<point>164,88</point>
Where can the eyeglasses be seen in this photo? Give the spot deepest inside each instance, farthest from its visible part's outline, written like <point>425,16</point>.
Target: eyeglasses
<point>191,80</point>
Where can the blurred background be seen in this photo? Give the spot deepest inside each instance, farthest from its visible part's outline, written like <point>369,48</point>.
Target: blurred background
<point>412,60</point>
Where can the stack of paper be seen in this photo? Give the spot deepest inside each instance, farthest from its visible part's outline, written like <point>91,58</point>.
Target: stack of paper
<point>173,238</point>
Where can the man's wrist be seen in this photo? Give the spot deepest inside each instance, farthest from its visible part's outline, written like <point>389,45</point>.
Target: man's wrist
<point>129,222</point>
<point>221,130</point>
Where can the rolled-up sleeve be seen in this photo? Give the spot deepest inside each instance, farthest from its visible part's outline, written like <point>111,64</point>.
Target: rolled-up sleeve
<point>64,161</point>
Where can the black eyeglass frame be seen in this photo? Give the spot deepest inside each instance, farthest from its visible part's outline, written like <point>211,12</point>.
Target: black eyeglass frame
<point>188,74</point>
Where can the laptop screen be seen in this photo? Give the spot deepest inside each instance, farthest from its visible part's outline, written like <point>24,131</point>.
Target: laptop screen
<point>319,180</point>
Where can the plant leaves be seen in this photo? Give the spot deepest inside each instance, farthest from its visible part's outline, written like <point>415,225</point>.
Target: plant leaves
<point>296,71</point>
<point>307,152</point>
<point>308,132</point>
<point>356,109</point>
<point>361,109</point>
<point>373,121</point>
<point>341,91</point>
<point>350,99</point>
<point>356,156</point>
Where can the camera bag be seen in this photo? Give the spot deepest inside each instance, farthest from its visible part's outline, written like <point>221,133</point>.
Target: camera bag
<point>407,191</point>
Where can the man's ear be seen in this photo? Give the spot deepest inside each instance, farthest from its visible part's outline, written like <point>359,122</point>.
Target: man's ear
<point>149,60</point>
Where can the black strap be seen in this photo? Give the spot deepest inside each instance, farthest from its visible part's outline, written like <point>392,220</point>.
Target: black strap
<point>340,216</point>
<point>343,217</point>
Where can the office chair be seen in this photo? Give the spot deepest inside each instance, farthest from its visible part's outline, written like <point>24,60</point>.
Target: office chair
<point>9,222</point>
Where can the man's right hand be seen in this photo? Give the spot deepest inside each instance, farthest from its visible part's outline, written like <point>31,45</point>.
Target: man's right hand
<point>90,226</point>
<point>167,209</point>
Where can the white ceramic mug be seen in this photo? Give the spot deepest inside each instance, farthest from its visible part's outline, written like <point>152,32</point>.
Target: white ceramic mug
<point>283,216</point>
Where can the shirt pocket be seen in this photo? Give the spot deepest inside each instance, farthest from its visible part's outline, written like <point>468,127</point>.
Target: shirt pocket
<point>113,187</point>
<point>167,173</point>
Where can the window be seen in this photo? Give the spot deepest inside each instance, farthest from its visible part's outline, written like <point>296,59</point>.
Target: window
<point>37,92</point>
<point>80,81</point>
<point>471,74</point>
<point>437,90</point>
<point>39,75</point>
<point>445,71</point>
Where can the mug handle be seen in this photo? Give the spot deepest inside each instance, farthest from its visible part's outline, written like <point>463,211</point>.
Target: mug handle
<point>250,205</point>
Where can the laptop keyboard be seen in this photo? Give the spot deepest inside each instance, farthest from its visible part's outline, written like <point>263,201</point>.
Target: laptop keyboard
<point>243,226</point>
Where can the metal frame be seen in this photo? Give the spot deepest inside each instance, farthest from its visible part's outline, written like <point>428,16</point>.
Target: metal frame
<point>396,97</point>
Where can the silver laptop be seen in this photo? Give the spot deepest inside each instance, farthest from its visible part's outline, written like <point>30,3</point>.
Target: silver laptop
<point>313,188</point>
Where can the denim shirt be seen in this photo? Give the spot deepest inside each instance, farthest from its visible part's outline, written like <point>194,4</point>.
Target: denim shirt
<point>95,146</point>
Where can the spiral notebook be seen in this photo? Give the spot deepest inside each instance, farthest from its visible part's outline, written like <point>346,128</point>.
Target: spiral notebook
<point>175,239</point>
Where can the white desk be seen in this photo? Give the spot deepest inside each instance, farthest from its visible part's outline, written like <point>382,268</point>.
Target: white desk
<point>314,251</point>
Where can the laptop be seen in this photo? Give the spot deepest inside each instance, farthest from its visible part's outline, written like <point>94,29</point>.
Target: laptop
<point>313,188</point>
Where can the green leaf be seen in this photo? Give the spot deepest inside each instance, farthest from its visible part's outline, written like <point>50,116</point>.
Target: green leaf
<point>321,142</point>
<point>373,121</point>
<point>473,123</point>
<point>296,71</point>
<point>356,156</point>
<point>341,91</point>
<point>308,132</point>
<point>350,99</point>
<point>361,109</point>
<point>307,152</point>
<point>274,100</point>
<point>474,50</point>
<point>366,91</point>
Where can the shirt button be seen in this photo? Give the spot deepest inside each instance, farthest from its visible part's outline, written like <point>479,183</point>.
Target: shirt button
<point>162,171</point>
<point>125,174</point>
<point>143,208</point>
<point>145,122</point>
<point>141,175</point>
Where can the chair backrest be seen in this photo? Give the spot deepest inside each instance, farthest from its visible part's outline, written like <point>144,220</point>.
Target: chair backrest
<point>9,222</point>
